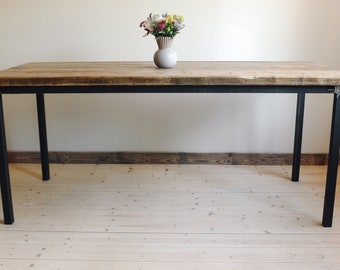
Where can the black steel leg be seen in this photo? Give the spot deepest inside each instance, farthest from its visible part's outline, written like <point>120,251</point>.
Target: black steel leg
<point>6,194</point>
<point>300,107</point>
<point>45,167</point>
<point>333,160</point>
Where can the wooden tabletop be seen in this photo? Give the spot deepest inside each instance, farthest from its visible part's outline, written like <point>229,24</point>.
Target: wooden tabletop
<point>184,73</point>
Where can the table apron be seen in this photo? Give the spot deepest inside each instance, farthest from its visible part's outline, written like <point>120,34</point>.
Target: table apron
<point>93,89</point>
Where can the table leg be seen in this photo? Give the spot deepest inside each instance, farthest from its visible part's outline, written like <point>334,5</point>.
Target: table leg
<point>300,108</point>
<point>5,184</point>
<point>45,167</point>
<point>333,160</point>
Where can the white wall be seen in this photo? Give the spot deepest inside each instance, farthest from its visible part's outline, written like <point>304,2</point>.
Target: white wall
<point>108,30</point>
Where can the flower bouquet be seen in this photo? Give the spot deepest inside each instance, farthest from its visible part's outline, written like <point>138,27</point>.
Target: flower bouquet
<point>163,26</point>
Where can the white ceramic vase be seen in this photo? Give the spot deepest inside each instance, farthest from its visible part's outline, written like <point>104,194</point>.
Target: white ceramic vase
<point>165,56</point>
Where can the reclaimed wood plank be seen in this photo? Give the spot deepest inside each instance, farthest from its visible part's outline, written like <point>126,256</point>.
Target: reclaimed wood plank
<point>63,157</point>
<point>184,73</point>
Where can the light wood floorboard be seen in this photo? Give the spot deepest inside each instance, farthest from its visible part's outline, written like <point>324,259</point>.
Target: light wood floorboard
<point>169,217</point>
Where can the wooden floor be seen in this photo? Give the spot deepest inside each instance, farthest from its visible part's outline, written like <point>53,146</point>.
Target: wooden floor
<point>168,217</point>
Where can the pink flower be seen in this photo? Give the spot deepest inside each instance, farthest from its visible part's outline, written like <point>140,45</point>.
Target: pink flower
<point>161,25</point>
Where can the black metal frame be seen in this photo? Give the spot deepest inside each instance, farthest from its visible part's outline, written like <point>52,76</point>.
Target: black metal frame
<point>300,109</point>
<point>299,90</point>
<point>121,89</point>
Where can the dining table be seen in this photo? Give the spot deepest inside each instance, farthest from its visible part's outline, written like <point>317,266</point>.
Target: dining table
<point>196,77</point>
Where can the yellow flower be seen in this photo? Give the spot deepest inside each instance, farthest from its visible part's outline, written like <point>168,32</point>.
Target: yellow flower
<point>170,18</point>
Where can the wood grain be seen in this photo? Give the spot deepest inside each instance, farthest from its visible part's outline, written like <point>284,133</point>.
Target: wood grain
<point>167,158</point>
<point>152,217</point>
<point>184,73</point>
